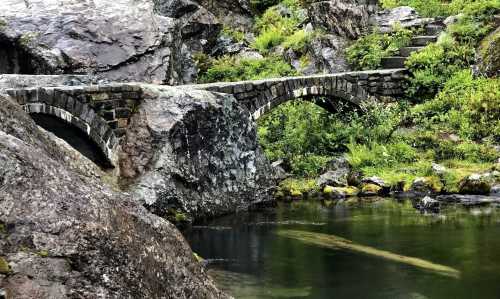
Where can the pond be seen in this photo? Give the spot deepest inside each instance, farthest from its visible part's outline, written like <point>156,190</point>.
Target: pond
<point>376,248</point>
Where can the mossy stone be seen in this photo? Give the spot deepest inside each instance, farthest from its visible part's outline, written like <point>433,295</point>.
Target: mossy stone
<point>4,266</point>
<point>489,54</point>
<point>371,189</point>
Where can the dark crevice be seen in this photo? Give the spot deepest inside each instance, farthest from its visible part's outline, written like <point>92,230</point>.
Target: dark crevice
<point>15,59</point>
<point>74,137</point>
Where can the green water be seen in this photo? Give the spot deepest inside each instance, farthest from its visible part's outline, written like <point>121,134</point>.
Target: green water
<point>250,260</point>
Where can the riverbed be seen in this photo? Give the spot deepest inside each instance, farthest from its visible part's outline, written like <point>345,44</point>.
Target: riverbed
<point>370,248</point>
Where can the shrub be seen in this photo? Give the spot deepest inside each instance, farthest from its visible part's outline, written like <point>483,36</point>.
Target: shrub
<point>435,64</point>
<point>367,52</point>
<point>236,35</point>
<point>298,41</point>
<point>268,39</point>
<point>229,68</point>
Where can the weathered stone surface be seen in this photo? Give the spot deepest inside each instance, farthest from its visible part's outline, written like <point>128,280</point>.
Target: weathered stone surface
<point>195,152</point>
<point>119,40</point>
<point>476,184</point>
<point>425,186</point>
<point>428,204</point>
<point>405,16</point>
<point>346,18</point>
<point>69,236</point>
<point>469,200</point>
<point>489,55</point>
<point>337,174</point>
<point>233,13</point>
<point>339,192</point>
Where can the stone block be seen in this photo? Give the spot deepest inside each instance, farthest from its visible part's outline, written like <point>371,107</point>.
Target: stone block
<point>122,112</point>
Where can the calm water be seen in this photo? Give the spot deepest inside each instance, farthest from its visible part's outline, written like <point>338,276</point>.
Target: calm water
<point>250,259</point>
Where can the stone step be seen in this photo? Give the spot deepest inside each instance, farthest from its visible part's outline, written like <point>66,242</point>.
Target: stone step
<point>432,29</point>
<point>406,51</point>
<point>393,62</point>
<point>423,40</point>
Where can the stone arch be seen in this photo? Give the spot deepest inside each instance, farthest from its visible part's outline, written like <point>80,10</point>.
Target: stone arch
<point>97,130</point>
<point>334,90</point>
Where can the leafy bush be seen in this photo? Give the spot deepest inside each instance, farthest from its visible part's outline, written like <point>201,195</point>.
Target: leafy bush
<point>298,41</point>
<point>229,68</point>
<point>236,35</point>
<point>367,52</point>
<point>268,39</point>
<point>380,155</point>
<point>435,64</point>
<point>426,8</point>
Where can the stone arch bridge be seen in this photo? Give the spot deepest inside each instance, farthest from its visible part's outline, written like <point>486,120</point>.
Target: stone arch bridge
<point>102,112</point>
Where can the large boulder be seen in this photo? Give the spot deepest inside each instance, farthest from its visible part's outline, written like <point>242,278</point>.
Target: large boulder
<point>120,40</point>
<point>347,18</point>
<point>193,152</point>
<point>489,55</point>
<point>403,16</point>
<point>63,234</point>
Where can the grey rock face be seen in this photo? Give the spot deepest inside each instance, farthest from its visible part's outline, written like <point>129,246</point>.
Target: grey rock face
<point>119,40</point>
<point>337,174</point>
<point>236,14</point>
<point>66,235</point>
<point>346,18</point>
<point>195,152</point>
<point>405,16</point>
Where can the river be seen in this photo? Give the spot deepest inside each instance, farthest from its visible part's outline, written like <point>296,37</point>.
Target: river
<point>300,250</point>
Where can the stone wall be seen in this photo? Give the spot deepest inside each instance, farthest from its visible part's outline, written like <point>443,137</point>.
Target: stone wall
<point>355,87</point>
<point>102,112</point>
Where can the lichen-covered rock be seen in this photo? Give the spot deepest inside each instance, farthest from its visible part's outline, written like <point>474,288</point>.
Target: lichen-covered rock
<point>368,189</point>
<point>340,192</point>
<point>66,235</point>
<point>337,174</point>
<point>119,40</point>
<point>425,186</point>
<point>476,184</point>
<point>194,151</point>
<point>489,55</point>
<point>403,16</point>
<point>236,14</point>
<point>347,18</point>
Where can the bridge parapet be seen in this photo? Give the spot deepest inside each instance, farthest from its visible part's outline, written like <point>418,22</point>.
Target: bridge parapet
<point>102,112</point>
<point>260,96</point>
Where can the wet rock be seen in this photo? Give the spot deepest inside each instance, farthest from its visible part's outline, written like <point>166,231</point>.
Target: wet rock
<point>337,174</point>
<point>469,200</point>
<point>405,16</point>
<point>375,181</point>
<point>368,189</point>
<point>74,237</point>
<point>339,192</point>
<point>117,40</point>
<point>425,186</point>
<point>495,190</point>
<point>195,152</point>
<point>476,184</point>
<point>428,204</point>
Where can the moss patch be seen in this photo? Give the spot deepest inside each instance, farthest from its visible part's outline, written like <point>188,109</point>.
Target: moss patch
<point>4,266</point>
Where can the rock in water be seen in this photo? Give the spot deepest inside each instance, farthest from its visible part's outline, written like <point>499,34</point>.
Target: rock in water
<point>120,40</point>
<point>65,235</point>
<point>195,152</point>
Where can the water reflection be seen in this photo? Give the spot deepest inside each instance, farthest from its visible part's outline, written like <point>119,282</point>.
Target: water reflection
<point>266,265</point>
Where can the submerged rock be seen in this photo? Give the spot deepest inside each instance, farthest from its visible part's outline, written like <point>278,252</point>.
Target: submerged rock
<point>66,235</point>
<point>428,204</point>
<point>195,152</point>
<point>469,200</point>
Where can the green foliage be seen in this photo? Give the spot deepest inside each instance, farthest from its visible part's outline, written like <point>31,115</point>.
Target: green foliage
<point>233,69</point>
<point>236,35</point>
<point>367,52</point>
<point>435,64</point>
<point>378,155</point>
<point>470,107</point>
<point>298,41</point>
<point>268,39</point>
<point>437,8</point>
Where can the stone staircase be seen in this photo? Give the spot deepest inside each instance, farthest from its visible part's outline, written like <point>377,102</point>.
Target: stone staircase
<point>431,32</point>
